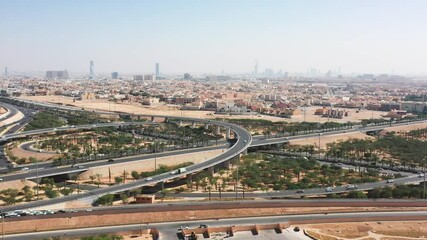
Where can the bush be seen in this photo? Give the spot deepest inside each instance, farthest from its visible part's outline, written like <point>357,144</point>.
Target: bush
<point>105,200</point>
<point>356,194</point>
<point>50,193</point>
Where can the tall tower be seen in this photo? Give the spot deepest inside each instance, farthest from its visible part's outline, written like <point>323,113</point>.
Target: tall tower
<point>5,71</point>
<point>256,67</point>
<point>92,70</point>
<point>157,69</point>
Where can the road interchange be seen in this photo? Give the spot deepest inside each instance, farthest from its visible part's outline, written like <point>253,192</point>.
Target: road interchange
<point>244,141</point>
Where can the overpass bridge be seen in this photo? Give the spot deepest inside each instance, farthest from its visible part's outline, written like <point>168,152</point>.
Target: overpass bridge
<point>244,141</point>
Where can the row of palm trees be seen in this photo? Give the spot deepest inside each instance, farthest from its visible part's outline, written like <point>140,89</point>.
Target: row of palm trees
<point>389,150</point>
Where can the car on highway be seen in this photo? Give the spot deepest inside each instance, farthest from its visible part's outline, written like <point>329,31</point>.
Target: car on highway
<point>421,175</point>
<point>390,181</point>
<point>351,187</point>
<point>25,169</point>
<point>300,191</point>
<point>203,226</point>
<point>1,179</point>
<point>149,179</point>
<point>329,189</point>
<point>110,160</point>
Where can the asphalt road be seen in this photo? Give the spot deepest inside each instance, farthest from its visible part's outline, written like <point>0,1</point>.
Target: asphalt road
<point>257,141</point>
<point>412,179</point>
<point>169,230</point>
<point>45,169</point>
<point>244,140</point>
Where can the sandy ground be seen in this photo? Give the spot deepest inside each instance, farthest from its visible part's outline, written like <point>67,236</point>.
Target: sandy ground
<point>13,119</point>
<point>328,139</point>
<point>16,184</point>
<point>370,230</point>
<point>166,110</point>
<point>21,153</point>
<point>345,136</point>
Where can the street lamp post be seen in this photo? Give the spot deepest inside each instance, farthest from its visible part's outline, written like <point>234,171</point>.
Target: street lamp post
<point>155,154</point>
<point>320,134</point>
<point>2,225</point>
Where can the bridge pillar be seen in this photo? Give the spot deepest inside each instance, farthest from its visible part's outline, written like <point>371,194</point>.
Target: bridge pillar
<point>206,126</point>
<point>245,152</point>
<point>193,124</point>
<point>227,164</point>
<point>162,185</point>
<point>180,123</point>
<point>189,177</point>
<point>138,117</point>
<point>218,130</point>
<point>166,120</point>
<point>228,134</point>
<point>211,171</point>
<point>152,119</point>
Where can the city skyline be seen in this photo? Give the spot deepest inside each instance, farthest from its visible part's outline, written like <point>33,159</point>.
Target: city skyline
<point>214,36</point>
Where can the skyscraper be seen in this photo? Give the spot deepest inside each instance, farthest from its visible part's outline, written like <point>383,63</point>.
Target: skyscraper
<point>57,74</point>
<point>5,71</point>
<point>157,69</point>
<point>92,70</point>
<point>114,75</point>
<point>256,67</point>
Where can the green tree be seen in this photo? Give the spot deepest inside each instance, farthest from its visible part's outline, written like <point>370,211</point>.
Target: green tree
<point>105,200</point>
<point>356,194</point>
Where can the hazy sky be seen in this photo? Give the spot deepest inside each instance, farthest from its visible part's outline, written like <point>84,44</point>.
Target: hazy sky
<point>214,36</point>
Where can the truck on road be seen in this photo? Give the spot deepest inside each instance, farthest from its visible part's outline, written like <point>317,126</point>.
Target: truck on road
<point>178,171</point>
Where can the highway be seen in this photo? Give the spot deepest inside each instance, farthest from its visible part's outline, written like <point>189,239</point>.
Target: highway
<point>13,136</point>
<point>256,142</point>
<point>46,169</point>
<point>412,179</point>
<point>168,230</point>
<point>244,140</point>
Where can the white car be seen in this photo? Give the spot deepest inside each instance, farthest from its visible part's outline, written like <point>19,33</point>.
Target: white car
<point>421,175</point>
<point>390,181</point>
<point>149,179</point>
<point>329,189</point>
<point>25,169</point>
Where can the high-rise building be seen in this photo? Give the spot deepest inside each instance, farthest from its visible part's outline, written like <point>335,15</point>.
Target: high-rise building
<point>256,67</point>
<point>149,77</point>
<point>157,69</point>
<point>138,77</point>
<point>91,70</point>
<point>57,74</point>
<point>5,71</point>
<point>114,75</point>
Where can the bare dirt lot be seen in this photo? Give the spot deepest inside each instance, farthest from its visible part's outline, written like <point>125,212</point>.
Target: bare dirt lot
<point>101,104</point>
<point>369,230</point>
<point>345,136</point>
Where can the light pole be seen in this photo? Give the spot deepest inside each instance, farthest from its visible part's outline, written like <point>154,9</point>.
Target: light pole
<point>2,225</point>
<point>155,154</point>
<point>320,134</point>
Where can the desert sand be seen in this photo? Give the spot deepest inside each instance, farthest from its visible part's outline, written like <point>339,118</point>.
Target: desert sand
<point>136,108</point>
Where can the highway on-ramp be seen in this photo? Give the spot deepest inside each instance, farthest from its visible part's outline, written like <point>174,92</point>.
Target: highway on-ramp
<point>244,140</point>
